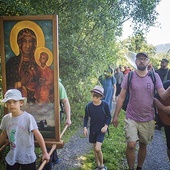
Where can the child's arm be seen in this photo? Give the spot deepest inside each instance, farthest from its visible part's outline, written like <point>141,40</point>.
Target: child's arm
<point>85,131</point>
<point>104,129</point>
<point>3,136</point>
<point>41,142</point>
<point>108,118</point>
<point>108,115</point>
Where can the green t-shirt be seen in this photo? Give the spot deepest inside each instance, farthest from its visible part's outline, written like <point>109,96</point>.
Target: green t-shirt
<point>62,92</point>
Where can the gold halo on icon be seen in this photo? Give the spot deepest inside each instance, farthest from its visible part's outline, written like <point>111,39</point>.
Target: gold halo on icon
<point>37,53</point>
<point>25,24</point>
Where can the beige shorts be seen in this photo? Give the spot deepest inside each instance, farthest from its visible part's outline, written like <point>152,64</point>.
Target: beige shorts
<point>139,131</point>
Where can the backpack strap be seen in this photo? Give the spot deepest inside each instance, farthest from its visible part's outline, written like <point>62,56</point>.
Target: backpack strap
<point>130,74</point>
<point>106,117</point>
<point>103,109</point>
<point>152,75</point>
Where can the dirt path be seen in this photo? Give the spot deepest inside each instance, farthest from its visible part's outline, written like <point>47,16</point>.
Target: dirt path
<point>73,151</point>
<point>157,158</point>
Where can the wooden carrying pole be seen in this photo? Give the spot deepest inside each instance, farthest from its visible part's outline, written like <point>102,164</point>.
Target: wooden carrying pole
<point>52,149</point>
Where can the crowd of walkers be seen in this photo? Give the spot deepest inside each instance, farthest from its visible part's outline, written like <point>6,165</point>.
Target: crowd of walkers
<point>141,113</point>
<point>141,109</point>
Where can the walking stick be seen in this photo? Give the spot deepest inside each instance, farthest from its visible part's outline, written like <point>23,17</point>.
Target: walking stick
<point>52,149</point>
<point>66,126</point>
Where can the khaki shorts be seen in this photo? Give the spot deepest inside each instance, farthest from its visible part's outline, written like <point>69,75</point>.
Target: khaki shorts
<point>139,131</point>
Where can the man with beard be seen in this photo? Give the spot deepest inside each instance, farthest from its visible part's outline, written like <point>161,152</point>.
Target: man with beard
<point>140,114</point>
<point>164,74</point>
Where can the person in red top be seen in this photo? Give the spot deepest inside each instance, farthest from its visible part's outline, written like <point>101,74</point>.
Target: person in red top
<point>127,70</point>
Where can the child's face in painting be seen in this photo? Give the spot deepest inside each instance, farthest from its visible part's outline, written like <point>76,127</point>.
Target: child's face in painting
<point>43,59</point>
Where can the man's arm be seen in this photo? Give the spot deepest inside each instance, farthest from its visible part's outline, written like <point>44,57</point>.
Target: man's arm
<point>164,94</point>
<point>66,103</point>
<point>160,106</point>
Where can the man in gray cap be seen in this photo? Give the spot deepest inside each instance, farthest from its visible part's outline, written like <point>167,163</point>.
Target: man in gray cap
<point>164,74</point>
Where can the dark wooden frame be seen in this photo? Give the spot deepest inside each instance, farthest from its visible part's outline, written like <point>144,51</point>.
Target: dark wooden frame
<point>53,19</point>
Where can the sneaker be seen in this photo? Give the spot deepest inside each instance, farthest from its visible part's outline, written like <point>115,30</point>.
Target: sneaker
<point>102,168</point>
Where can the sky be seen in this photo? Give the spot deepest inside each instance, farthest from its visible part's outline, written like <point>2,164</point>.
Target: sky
<point>156,35</point>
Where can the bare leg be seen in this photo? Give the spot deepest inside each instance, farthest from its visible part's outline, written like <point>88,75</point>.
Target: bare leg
<point>141,154</point>
<point>98,154</point>
<point>130,154</point>
<point>95,154</point>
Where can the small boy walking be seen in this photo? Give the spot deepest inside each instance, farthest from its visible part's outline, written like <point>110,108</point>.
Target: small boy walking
<point>100,118</point>
<point>20,127</point>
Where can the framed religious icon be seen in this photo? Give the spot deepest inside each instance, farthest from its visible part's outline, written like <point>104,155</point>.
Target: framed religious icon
<point>29,56</point>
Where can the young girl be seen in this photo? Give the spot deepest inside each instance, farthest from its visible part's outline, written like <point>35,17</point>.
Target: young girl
<point>100,118</point>
<point>20,127</point>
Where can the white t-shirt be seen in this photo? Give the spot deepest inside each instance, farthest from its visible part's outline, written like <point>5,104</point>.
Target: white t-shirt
<point>19,131</point>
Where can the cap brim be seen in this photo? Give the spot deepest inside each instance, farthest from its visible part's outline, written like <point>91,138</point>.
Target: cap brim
<point>16,99</point>
<point>144,54</point>
<point>23,98</point>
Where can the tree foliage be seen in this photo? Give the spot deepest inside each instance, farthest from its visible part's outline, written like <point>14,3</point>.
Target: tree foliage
<point>88,33</point>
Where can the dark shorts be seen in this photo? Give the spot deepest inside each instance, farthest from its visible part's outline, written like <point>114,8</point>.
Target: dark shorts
<point>18,166</point>
<point>96,137</point>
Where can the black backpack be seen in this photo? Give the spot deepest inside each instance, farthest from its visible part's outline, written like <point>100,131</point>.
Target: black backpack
<point>125,103</point>
<point>130,74</point>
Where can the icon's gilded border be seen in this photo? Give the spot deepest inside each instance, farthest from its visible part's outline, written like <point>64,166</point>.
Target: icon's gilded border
<point>26,24</point>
